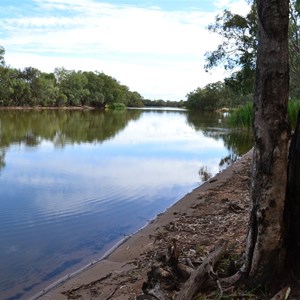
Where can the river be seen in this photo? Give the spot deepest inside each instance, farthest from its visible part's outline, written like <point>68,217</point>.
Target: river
<point>74,183</point>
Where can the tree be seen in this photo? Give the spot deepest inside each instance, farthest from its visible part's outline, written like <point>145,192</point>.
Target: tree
<point>273,241</point>
<point>238,49</point>
<point>95,86</point>
<point>73,85</point>
<point>134,99</point>
<point>208,98</point>
<point>237,52</point>
<point>31,78</point>
<point>265,255</point>
<point>2,52</point>
<point>31,87</point>
<point>239,44</point>
<point>45,90</point>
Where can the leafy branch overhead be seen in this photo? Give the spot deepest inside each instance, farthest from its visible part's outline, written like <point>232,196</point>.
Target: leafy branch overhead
<point>238,49</point>
<point>239,44</point>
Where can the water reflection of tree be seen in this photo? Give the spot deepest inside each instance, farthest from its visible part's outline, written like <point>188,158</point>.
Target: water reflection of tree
<point>227,160</point>
<point>205,121</point>
<point>204,173</point>
<point>238,141</point>
<point>30,128</point>
<point>214,125</point>
<point>2,159</point>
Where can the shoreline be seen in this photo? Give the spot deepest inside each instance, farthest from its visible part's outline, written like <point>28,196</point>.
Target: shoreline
<point>123,268</point>
<point>67,277</point>
<point>85,107</point>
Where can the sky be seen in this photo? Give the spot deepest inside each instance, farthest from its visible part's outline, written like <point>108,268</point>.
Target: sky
<point>155,47</point>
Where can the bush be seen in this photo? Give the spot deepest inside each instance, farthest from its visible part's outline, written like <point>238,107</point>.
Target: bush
<point>117,106</point>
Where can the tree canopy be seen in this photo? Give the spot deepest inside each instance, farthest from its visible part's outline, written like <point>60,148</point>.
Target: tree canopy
<point>237,54</point>
<point>31,87</point>
<point>238,49</point>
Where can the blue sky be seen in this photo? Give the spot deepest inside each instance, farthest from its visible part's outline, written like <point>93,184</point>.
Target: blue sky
<point>154,47</point>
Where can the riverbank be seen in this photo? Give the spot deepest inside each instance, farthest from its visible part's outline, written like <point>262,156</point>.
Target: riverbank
<point>217,209</point>
<point>85,107</point>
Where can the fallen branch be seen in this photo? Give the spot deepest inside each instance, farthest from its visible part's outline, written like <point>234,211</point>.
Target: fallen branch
<point>198,278</point>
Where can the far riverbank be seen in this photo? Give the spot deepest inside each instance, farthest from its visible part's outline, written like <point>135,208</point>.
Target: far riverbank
<point>46,107</point>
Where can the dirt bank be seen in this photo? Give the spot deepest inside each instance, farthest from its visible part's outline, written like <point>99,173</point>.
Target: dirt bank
<point>218,209</point>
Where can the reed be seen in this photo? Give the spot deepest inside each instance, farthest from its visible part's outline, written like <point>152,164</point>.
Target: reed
<point>294,106</point>
<point>242,117</point>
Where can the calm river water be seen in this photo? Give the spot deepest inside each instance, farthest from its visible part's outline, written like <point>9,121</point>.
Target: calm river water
<point>73,183</point>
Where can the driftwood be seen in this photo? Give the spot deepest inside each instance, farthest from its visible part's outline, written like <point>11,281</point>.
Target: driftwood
<point>165,277</point>
<point>199,277</point>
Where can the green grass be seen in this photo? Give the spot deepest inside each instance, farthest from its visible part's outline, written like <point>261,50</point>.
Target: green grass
<point>242,117</point>
<point>294,106</point>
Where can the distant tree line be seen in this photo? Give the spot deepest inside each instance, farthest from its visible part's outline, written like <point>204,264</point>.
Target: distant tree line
<point>31,87</point>
<point>215,96</point>
<point>164,103</point>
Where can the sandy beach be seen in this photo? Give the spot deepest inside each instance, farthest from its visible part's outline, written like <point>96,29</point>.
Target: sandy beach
<point>215,210</point>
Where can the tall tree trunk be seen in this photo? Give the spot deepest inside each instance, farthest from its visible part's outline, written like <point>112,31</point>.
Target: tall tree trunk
<point>292,207</point>
<point>264,255</point>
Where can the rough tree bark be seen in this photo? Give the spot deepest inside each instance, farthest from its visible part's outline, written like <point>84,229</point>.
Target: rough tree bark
<point>264,250</point>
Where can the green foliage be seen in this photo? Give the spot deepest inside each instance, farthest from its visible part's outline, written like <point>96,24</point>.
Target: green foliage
<point>73,85</point>
<point>237,52</point>
<point>294,107</point>
<point>239,43</point>
<point>134,99</point>
<point>31,87</point>
<point>209,98</point>
<point>163,103</point>
<point>117,106</point>
<point>242,117</point>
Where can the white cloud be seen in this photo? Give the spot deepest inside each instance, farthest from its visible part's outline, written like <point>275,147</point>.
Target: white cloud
<point>158,53</point>
<point>235,6</point>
